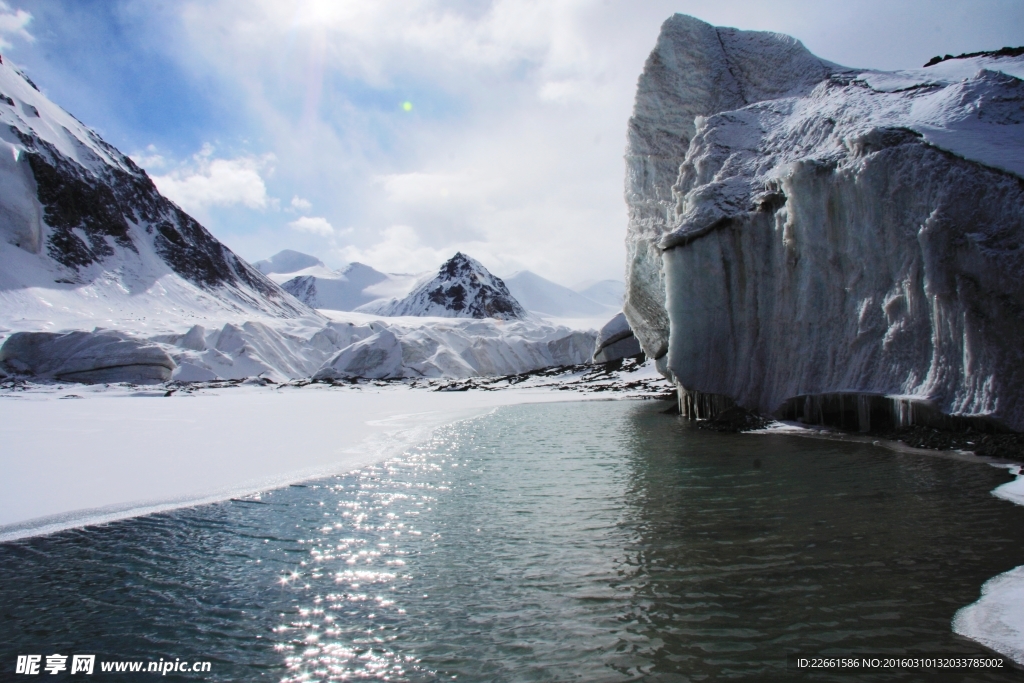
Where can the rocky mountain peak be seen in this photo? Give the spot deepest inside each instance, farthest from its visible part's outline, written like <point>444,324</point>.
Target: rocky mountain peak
<point>462,288</point>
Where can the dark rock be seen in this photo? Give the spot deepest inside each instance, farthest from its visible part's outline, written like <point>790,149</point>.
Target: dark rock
<point>1002,52</point>
<point>734,419</point>
<point>1008,445</point>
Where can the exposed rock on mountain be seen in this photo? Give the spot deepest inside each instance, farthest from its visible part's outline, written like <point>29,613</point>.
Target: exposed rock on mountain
<point>79,215</point>
<point>462,288</point>
<point>799,229</point>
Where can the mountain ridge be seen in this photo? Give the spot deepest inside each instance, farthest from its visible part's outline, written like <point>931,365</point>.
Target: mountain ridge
<point>80,215</point>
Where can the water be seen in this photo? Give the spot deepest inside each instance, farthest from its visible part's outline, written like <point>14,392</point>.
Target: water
<point>579,541</point>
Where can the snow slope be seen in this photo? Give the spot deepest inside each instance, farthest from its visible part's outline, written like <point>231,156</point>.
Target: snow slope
<point>540,295</point>
<point>802,228</point>
<point>462,288</point>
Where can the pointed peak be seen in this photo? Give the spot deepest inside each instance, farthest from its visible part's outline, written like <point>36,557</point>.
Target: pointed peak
<point>462,288</point>
<point>460,264</point>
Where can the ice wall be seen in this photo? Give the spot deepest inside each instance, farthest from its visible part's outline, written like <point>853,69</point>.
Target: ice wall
<point>839,235</point>
<point>695,70</point>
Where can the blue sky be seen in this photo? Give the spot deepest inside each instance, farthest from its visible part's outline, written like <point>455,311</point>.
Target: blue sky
<point>281,124</point>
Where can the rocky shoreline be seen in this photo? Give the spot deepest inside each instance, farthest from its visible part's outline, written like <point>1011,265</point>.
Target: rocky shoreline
<point>1009,446</point>
<point>631,376</point>
<point>994,445</point>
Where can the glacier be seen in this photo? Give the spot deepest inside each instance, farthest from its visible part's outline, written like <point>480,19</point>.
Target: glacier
<point>799,229</point>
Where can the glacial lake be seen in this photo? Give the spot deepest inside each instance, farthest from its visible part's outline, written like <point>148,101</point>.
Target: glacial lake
<point>591,541</point>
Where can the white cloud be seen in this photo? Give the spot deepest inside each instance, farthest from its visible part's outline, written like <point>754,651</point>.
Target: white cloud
<point>13,23</point>
<point>209,181</point>
<point>513,148</point>
<point>497,155</point>
<point>315,225</point>
<point>301,205</point>
<point>149,159</point>
<point>401,251</point>
<point>422,189</point>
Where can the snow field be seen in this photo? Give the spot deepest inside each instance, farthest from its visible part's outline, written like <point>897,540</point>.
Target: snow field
<point>118,452</point>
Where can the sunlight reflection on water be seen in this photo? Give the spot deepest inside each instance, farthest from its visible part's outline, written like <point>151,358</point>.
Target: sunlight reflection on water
<point>579,541</point>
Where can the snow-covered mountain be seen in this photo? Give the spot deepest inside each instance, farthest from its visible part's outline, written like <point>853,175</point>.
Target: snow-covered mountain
<point>609,293</point>
<point>540,295</point>
<point>86,239</point>
<point>310,281</point>
<point>462,288</point>
<point>344,290</point>
<point>287,265</point>
<point>287,261</point>
<point>800,229</point>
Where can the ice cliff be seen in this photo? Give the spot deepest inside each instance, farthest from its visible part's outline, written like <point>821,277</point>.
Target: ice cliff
<point>797,228</point>
<point>89,357</point>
